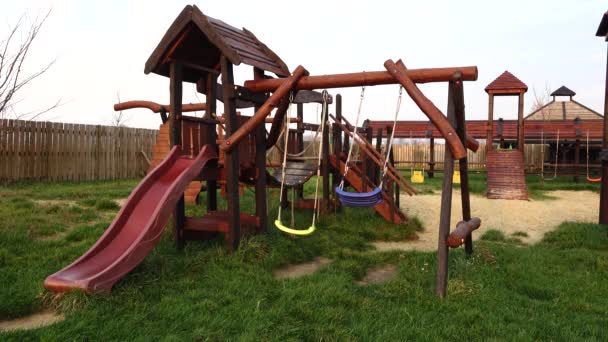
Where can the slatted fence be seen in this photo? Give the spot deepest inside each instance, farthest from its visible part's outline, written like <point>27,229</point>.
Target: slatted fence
<point>35,150</point>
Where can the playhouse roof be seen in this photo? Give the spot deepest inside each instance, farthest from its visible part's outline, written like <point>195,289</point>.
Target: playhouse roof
<point>602,30</point>
<point>563,91</point>
<point>198,41</point>
<point>507,83</point>
<point>563,111</point>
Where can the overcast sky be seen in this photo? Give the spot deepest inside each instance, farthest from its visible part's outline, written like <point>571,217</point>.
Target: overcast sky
<point>101,47</point>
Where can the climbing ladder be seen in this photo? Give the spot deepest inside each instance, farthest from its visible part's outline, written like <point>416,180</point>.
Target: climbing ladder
<point>506,177</point>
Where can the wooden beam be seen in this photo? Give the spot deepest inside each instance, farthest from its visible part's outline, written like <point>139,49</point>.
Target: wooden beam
<point>211,136</point>
<point>456,91</point>
<point>604,188</point>
<point>260,165</point>
<point>231,161</point>
<point>399,72</point>
<point>175,124</point>
<point>445,213</point>
<point>359,79</point>
<point>258,118</point>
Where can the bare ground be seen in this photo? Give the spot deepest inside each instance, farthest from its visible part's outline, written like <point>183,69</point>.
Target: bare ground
<point>34,321</point>
<point>378,275</point>
<point>299,270</point>
<point>534,217</point>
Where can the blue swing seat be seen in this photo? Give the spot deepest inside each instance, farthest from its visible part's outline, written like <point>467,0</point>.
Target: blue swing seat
<point>360,200</point>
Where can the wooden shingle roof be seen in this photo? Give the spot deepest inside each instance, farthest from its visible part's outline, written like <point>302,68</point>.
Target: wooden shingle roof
<point>563,91</point>
<point>602,30</point>
<point>198,41</point>
<point>507,83</point>
<point>563,111</point>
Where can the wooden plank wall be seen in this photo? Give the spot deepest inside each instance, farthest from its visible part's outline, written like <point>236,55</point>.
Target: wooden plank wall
<point>35,150</point>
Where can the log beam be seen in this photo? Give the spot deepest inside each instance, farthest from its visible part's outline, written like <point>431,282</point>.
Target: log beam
<point>359,79</point>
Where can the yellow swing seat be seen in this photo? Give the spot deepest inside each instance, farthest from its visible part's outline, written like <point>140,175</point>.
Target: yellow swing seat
<point>456,177</point>
<point>301,232</point>
<point>417,177</point>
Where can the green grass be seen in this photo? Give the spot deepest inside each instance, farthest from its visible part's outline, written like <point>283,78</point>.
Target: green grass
<point>554,290</point>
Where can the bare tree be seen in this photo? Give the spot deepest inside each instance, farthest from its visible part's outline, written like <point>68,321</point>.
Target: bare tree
<point>541,99</point>
<point>14,51</point>
<point>119,119</point>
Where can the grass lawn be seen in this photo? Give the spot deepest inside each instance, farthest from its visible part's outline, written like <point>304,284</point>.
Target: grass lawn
<point>555,290</point>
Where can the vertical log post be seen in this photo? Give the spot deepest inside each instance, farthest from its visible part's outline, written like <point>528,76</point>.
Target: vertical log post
<point>432,157</point>
<point>337,137</point>
<point>175,129</point>
<point>232,158</point>
<point>457,92</point>
<point>372,169</point>
<point>446,209</point>
<point>325,159</point>
<point>604,187</point>
<point>389,184</point>
<point>520,124</point>
<point>378,149</point>
<point>210,111</point>
<point>300,141</point>
<point>577,155</point>
<point>490,128</point>
<point>397,189</point>
<point>260,165</point>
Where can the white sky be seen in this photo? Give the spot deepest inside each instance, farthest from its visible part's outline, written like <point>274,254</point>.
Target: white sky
<point>101,48</point>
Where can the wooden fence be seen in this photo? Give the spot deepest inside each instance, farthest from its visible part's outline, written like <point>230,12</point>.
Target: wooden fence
<point>33,150</point>
<point>418,154</point>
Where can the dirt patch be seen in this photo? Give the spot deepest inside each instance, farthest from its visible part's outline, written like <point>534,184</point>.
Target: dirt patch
<point>50,203</point>
<point>299,270</point>
<point>35,321</point>
<point>378,275</point>
<point>121,201</point>
<point>533,217</point>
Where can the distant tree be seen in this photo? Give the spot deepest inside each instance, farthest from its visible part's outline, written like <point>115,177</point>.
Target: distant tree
<point>119,119</point>
<point>541,98</point>
<point>14,51</point>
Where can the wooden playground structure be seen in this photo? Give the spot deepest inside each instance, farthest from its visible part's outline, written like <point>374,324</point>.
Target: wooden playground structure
<point>229,150</point>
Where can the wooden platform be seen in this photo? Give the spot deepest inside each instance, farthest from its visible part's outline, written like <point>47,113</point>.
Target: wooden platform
<point>506,177</point>
<point>390,213</point>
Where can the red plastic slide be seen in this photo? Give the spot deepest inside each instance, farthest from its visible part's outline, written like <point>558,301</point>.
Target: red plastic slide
<point>136,228</point>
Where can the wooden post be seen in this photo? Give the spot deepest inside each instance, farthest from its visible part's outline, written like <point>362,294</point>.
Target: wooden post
<point>371,167</point>
<point>520,124</point>
<point>325,159</point>
<point>577,159</point>
<point>457,92</point>
<point>210,111</point>
<point>432,157</point>
<point>390,186</point>
<point>300,141</point>
<point>490,128</point>
<point>232,158</point>
<point>446,210</point>
<point>379,150</point>
<point>604,187</point>
<point>337,137</point>
<point>260,165</point>
<point>175,136</point>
